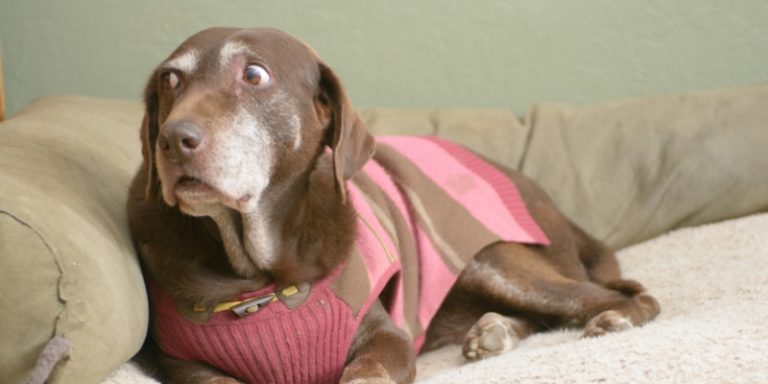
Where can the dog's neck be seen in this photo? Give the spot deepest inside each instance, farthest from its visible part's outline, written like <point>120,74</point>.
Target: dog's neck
<point>297,234</point>
<point>243,235</point>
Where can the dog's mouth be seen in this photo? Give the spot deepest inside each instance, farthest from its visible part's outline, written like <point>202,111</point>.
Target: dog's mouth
<point>193,190</point>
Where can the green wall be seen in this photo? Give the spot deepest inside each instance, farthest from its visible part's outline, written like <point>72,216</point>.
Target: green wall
<point>407,53</point>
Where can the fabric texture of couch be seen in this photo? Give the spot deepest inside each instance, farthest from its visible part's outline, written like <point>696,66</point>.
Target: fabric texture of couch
<point>626,171</point>
<point>68,268</point>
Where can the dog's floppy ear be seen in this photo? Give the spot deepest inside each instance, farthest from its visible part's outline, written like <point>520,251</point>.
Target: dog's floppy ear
<point>347,136</point>
<point>149,132</point>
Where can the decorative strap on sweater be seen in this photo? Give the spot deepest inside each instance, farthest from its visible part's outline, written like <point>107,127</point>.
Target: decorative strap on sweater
<point>291,295</point>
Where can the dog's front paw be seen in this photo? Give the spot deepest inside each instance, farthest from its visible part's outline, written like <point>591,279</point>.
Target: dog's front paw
<point>492,335</point>
<point>374,380</point>
<point>365,371</point>
<point>607,322</point>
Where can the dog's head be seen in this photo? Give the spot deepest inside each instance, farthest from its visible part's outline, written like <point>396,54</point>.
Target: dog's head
<point>234,115</point>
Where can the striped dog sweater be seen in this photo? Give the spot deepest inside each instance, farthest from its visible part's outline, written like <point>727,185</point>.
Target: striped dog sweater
<point>425,207</point>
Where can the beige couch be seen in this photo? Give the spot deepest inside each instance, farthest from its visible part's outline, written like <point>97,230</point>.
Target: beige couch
<point>627,171</point>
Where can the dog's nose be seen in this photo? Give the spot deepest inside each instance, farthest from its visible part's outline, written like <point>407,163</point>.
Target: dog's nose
<point>181,140</point>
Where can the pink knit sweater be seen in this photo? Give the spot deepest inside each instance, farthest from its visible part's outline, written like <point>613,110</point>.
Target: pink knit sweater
<point>425,207</point>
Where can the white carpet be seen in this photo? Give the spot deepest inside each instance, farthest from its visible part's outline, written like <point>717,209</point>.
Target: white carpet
<point>712,283</point>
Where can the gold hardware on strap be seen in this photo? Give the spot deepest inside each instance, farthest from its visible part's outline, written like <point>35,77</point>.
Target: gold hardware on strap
<point>249,306</point>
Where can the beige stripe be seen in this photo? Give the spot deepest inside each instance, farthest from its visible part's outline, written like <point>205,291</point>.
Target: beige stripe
<point>448,252</point>
<point>384,219</point>
<point>381,242</point>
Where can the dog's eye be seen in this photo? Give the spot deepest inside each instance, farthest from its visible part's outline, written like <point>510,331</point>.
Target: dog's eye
<point>255,75</point>
<point>170,80</point>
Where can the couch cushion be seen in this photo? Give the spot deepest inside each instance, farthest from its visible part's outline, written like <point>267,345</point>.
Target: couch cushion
<point>68,268</point>
<point>27,316</point>
<point>496,133</point>
<point>630,170</point>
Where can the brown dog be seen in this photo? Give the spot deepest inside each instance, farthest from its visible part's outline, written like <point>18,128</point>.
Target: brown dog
<point>249,209</point>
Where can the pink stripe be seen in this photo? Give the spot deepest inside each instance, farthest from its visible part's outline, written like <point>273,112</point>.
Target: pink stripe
<point>461,182</point>
<point>418,342</point>
<point>504,187</point>
<point>434,286</point>
<point>376,260</point>
<point>380,177</point>
<point>435,280</point>
<point>376,291</point>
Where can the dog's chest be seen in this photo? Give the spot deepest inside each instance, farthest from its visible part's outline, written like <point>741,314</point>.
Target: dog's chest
<point>276,344</point>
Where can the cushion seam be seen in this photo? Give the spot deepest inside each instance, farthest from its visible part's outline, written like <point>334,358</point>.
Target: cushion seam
<point>58,324</point>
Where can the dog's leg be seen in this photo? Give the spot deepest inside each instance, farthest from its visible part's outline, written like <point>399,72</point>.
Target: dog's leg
<point>598,260</point>
<point>381,353</point>
<point>638,309</point>
<point>603,268</point>
<point>520,279</point>
<point>189,372</point>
